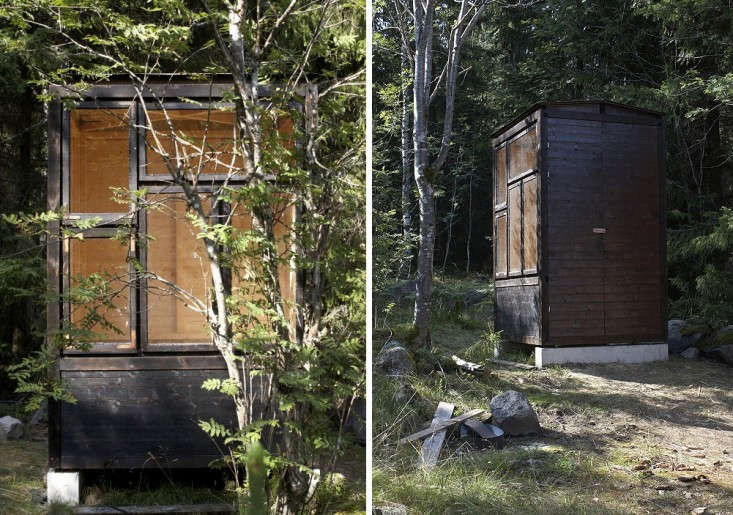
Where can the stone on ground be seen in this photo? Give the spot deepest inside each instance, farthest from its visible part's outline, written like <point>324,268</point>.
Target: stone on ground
<point>10,428</point>
<point>513,413</point>
<point>690,353</point>
<point>394,360</point>
<point>40,416</point>
<point>676,341</point>
<point>389,508</point>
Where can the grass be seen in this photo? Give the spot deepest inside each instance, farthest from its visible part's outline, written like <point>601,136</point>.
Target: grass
<point>23,466</point>
<point>613,435</point>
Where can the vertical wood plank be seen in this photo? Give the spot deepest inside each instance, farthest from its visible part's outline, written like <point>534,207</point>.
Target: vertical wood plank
<point>53,256</point>
<point>431,447</point>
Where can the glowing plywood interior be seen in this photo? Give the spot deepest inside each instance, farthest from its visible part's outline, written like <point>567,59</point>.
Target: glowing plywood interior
<point>202,142</point>
<point>241,222</point>
<point>175,255</point>
<point>99,159</point>
<point>106,257</point>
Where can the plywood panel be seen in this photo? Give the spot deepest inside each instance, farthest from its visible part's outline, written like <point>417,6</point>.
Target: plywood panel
<point>99,159</point>
<point>176,255</point>
<point>515,230</point>
<point>529,208</point>
<point>500,176</point>
<point>500,249</point>
<point>518,313</point>
<point>201,141</point>
<point>107,258</point>
<point>246,265</point>
<point>523,153</point>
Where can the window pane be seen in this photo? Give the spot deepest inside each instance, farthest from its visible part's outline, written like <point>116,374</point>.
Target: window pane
<point>500,176</point>
<point>515,230</point>
<point>108,258</point>
<point>175,255</point>
<point>99,159</point>
<point>500,248</point>
<point>242,221</point>
<point>523,153</point>
<point>529,206</point>
<point>202,142</point>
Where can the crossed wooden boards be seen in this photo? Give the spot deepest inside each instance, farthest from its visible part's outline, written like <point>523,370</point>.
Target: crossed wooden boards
<point>436,432</point>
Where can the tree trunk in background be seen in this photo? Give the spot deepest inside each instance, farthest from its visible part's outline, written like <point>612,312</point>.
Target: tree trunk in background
<point>425,171</point>
<point>423,175</point>
<point>450,223</point>
<point>470,224</point>
<point>406,262</point>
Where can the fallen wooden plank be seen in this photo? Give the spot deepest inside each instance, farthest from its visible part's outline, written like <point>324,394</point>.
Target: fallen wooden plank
<point>440,426</point>
<point>474,368</point>
<point>513,364</point>
<point>479,428</point>
<point>431,446</point>
<point>178,508</point>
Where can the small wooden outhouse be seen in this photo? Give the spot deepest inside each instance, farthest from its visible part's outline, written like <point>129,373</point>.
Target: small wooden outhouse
<point>138,388</point>
<point>579,232</point>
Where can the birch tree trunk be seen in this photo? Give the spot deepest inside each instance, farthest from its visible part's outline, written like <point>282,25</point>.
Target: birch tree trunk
<point>425,171</point>
<point>406,262</point>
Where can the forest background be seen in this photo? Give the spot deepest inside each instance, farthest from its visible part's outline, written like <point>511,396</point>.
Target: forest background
<point>672,56</point>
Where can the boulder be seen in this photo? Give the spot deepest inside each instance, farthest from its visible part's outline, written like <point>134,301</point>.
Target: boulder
<point>676,340</point>
<point>356,421</point>
<point>10,428</point>
<point>513,413</point>
<point>690,353</point>
<point>394,360</point>
<point>723,353</point>
<point>40,416</point>
<point>389,508</point>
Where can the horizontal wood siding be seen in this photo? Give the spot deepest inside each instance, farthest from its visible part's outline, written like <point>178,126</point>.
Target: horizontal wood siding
<point>518,313</point>
<point>140,418</point>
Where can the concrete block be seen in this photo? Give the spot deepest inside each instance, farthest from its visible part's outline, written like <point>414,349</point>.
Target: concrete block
<point>63,487</point>
<point>641,353</point>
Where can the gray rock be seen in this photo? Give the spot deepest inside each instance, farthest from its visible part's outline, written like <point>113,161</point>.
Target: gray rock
<point>10,428</point>
<point>356,421</point>
<point>389,508</point>
<point>690,353</point>
<point>394,360</point>
<point>40,416</point>
<point>38,496</point>
<point>513,413</point>
<point>722,352</point>
<point>676,341</point>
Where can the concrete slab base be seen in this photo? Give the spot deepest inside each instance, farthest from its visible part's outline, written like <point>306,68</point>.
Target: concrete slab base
<point>641,353</point>
<point>63,487</point>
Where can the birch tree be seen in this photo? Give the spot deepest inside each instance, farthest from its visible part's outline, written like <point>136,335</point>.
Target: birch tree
<point>425,89</point>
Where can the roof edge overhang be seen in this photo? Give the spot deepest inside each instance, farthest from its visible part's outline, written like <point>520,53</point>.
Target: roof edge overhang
<point>163,86</point>
<point>539,105</point>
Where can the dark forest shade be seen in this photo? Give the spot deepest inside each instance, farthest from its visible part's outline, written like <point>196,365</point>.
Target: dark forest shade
<point>579,236</point>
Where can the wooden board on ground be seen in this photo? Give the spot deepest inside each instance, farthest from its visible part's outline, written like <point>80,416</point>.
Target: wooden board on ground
<point>431,447</point>
<point>440,426</point>
<point>479,428</point>
<point>474,368</point>
<point>180,508</point>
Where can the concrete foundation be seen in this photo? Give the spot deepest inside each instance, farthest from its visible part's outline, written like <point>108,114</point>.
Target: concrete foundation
<point>63,487</point>
<point>641,353</point>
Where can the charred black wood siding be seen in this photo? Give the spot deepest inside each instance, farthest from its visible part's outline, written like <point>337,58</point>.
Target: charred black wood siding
<point>601,232</point>
<point>140,418</point>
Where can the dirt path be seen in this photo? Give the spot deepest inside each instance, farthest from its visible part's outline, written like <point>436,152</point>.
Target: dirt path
<point>651,423</point>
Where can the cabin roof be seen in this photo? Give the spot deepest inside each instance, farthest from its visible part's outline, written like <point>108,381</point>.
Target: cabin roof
<point>504,127</point>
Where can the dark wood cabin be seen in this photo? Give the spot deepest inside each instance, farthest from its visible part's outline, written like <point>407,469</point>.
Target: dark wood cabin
<point>138,390</point>
<point>579,225</point>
